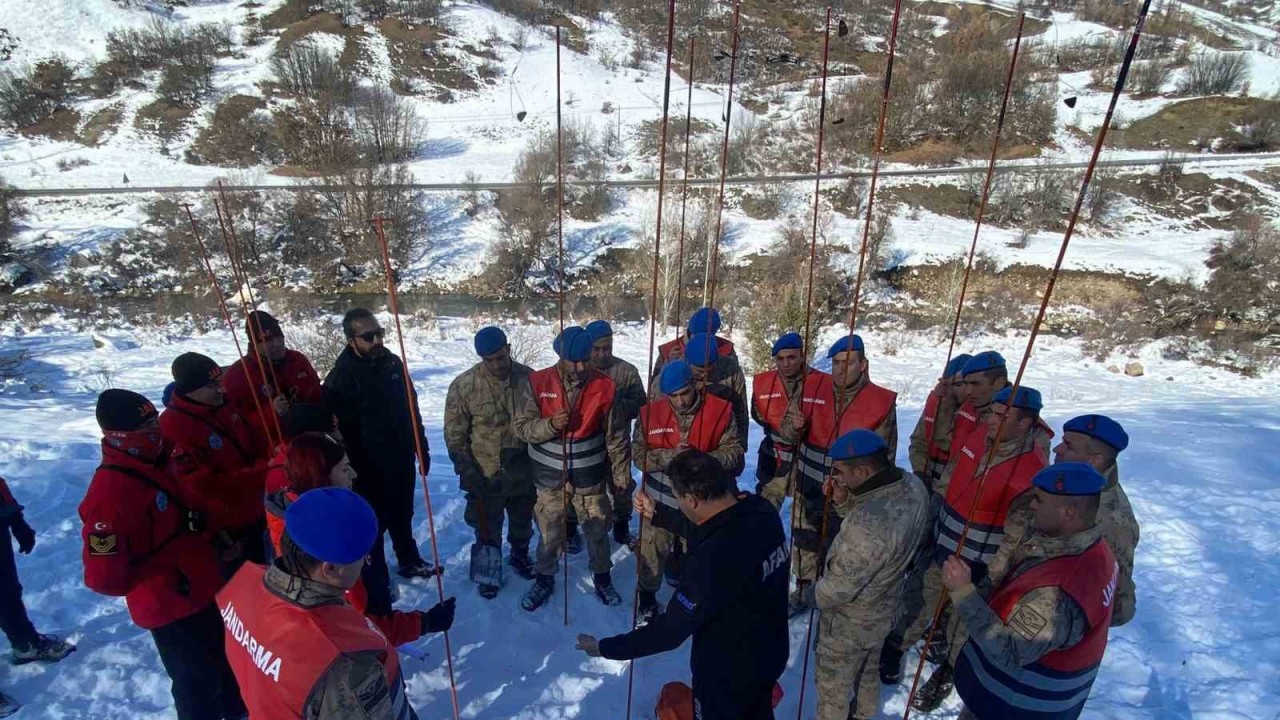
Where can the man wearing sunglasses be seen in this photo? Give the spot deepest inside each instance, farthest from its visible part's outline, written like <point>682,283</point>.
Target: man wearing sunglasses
<point>366,391</point>
<point>279,375</point>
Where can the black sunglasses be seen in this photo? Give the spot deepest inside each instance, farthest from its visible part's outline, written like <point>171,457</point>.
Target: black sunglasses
<point>372,335</point>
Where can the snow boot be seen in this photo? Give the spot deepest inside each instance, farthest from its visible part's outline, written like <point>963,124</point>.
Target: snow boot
<point>573,539</point>
<point>520,561</point>
<point>622,532</point>
<point>939,650</point>
<point>539,593</point>
<point>488,592</point>
<point>605,590</point>
<point>46,648</point>
<point>419,569</point>
<point>797,603</point>
<point>8,705</point>
<point>935,690</point>
<point>890,662</point>
<point>646,608</point>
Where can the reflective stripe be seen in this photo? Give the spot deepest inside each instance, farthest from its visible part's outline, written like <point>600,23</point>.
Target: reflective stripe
<point>399,700</point>
<point>658,487</point>
<point>980,545</point>
<point>551,454</point>
<point>1029,692</point>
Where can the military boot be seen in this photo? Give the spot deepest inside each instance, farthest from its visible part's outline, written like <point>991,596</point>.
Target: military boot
<point>622,532</point>
<point>605,590</point>
<point>520,562</point>
<point>573,539</point>
<point>890,662</point>
<point>798,602</point>
<point>539,593</point>
<point>646,607</point>
<point>935,690</point>
<point>46,648</point>
<point>488,592</point>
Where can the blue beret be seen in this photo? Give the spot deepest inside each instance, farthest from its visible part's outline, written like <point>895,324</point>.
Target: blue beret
<point>956,365</point>
<point>698,321</point>
<point>1069,478</point>
<point>856,444</point>
<point>574,344</point>
<point>599,329</point>
<point>332,525</point>
<point>702,349</point>
<point>490,340</point>
<point>1099,427</point>
<point>988,360</point>
<point>790,341</point>
<point>167,396</point>
<point>1028,398</point>
<point>675,375</point>
<point>846,343</point>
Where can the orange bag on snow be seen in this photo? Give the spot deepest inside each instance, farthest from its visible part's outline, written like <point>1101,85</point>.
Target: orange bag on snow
<point>676,701</point>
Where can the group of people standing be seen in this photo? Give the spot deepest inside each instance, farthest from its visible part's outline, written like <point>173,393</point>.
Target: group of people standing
<point>244,523</point>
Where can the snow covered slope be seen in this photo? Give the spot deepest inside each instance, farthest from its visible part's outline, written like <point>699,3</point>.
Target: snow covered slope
<point>1200,473</point>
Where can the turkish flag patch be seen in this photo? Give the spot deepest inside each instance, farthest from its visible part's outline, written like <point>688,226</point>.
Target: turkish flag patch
<point>102,544</point>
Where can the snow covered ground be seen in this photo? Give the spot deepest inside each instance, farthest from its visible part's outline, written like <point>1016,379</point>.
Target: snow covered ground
<point>1200,473</point>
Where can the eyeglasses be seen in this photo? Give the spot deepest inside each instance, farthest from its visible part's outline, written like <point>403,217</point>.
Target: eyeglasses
<point>372,335</point>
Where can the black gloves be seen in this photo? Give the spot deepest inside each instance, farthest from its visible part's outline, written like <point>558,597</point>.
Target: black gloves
<point>23,533</point>
<point>440,617</point>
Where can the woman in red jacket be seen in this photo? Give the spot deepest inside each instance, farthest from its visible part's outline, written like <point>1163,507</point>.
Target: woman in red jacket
<point>316,460</point>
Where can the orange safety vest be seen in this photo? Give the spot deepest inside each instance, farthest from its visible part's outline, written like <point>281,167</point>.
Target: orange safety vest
<point>588,460</point>
<point>868,411</point>
<point>1056,686</point>
<point>769,395</point>
<point>1004,482</point>
<point>662,430</point>
<point>279,650</point>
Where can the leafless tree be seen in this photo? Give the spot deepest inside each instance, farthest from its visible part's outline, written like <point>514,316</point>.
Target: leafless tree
<point>387,126</point>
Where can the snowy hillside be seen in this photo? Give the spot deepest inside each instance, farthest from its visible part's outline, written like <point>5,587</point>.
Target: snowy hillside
<point>1199,472</point>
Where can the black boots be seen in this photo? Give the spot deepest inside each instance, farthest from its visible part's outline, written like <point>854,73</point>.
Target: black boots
<point>646,607</point>
<point>539,592</point>
<point>935,690</point>
<point>605,590</point>
<point>521,563</point>
<point>890,662</point>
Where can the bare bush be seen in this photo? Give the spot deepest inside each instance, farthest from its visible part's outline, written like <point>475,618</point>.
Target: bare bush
<point>240,134</point>
<point>316,133</point>
<point>1169,171</point>
<point>12,211</point>
<point>1147,77</point>
<point>1103,194</point>
<point>28,97</point>
<point>357,195</point>
<point>387,127</point>
<point>1215,73</point>
<point>322,342</point>
<point>1244,284</point>
<point>308,71</point>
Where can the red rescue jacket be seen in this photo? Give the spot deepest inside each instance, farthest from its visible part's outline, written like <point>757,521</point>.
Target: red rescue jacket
<point>588,460</point>
<point>297,380</point>
<point>770,400</point>
<point>137,543</point>
<point>221,458</point>
<point>662,430</point>
<point>867,411</point>
<point>279,650</point>
<point>1004,482</point>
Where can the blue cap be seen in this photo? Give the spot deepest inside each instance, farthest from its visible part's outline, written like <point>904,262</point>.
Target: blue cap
<point>702,349</point>
<point>790,341</point>
<point>988,360</point>
<point>845,344</point>
<point>332,525</point>
<point>1070,478</point>
<point>599,329</point>
<point>699,319</point>
<point>956,365</point>
<point>856,444</point>
<point>1099,427</point>
<point>167,395</point>
<point>1028,398</point>
<point>574,344</point>
<point>490,340</point>
<point>675,375</point>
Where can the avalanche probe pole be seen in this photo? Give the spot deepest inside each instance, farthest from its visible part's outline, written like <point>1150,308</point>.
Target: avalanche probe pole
<point>713,257</point>
<point>684,189</point>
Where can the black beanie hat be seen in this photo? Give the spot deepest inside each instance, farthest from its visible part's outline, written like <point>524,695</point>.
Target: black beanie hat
<point>261,326</point>
<point>305,418</point>
<point>123,410</point>
<point>192,371</point>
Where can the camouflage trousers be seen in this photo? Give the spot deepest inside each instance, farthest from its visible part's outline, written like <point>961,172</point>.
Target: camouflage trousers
<point>804,541</point>
<point>775,490</point>
<point>518,512</point>
<point>846,666</point>
<point>656,545</point>
<point>620,491</point>
<point>594,516</point>
<point>920,593</point>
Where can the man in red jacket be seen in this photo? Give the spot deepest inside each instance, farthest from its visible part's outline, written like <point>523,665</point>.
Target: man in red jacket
<point>221,458</point>
<point>144,539</point>
<point>285,378</point>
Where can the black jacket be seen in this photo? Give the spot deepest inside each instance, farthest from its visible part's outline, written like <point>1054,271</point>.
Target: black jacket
<point>367,396</point>
<point>732,599</point>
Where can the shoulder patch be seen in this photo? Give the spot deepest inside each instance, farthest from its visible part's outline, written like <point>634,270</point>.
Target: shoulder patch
<point>684,602</point>
<point>102,544</point>
<point>215,441</point>
<point>1027,622</point>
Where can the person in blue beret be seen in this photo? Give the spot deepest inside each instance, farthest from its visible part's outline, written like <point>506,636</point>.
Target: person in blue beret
<point>930,446</point>
<point>720,376</point>
<point>772,392</point>
<point>984,374</point>
<point>628,399</point>
<point>491,463</point>
<point>703,321</point>
<point>565,414</point>
<point>1036,640</point>
<point>885,512</point>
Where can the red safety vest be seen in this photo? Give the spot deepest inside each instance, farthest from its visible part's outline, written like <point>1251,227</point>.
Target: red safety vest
<point>968,418</point>
<point>588,460</point>
<point>868,411</point>
<point>1004,482</point>
<point>279,650</point>
<point>930,416</point>
<point>662,430</point>
<point>1056,686</point>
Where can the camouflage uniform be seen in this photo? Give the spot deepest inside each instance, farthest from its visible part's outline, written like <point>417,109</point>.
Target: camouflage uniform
<point>776,488</point>
<point>627,401</point>
<point>859,591</point>
<point>491,463</point>
<point>590,504</point>
<point>657,543</point>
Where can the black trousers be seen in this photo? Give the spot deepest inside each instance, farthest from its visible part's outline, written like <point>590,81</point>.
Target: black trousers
<point>193,653</point>
<point>723,703</point>
<point>13,613</point>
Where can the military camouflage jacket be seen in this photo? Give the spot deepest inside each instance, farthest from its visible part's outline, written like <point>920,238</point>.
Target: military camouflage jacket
<point>478,412</point>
